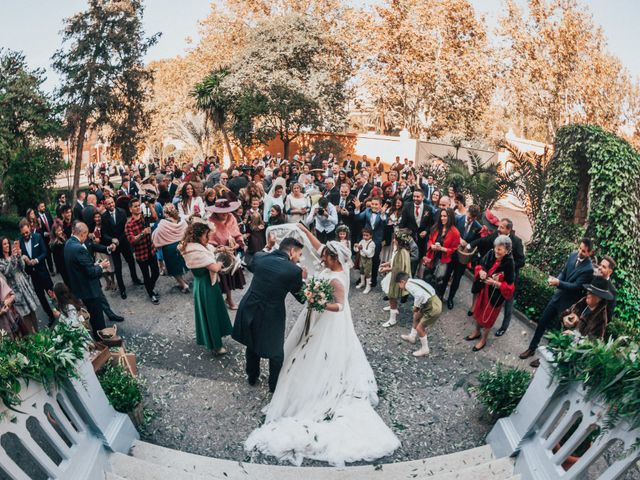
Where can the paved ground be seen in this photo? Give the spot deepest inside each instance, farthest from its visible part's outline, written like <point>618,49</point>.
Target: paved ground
<point>203,404</point>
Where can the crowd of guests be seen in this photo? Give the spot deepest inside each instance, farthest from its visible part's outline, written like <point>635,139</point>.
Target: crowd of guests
<point>417,237</point>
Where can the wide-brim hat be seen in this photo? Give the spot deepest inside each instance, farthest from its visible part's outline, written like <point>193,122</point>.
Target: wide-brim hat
<point>599,287</point>
<point>223,205</point>
<point>316,170</point>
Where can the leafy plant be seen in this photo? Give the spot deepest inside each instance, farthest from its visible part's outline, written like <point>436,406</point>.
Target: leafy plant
<point>592,189</point>
<point>48,357</point>
<point>501,388</point>
<point>532,292</point>
<point>528,172</point>
<point>122,388</point>
<point>610,372</point>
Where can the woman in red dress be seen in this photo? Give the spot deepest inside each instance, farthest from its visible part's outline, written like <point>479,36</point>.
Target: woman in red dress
<point>494,283</point>
<point>444,240</point>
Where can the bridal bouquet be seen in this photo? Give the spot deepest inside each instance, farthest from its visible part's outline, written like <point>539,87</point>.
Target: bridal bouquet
<point>317,293</point>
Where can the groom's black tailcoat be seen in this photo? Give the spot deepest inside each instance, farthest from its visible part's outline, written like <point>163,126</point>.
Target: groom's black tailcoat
<point>261,317</point>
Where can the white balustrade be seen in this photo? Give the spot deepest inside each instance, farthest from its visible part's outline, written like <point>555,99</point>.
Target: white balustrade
<point>74,423</point>
<point>545,416</point>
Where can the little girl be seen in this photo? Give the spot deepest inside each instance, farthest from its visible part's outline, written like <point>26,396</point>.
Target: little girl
<point>366,248</point>
<point>344,235</point>
<point>400,262</point>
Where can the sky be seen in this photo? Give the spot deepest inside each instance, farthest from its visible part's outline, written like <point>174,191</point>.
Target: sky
<point>33,27</point>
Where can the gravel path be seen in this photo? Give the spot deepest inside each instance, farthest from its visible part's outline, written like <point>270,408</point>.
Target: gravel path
<point>203,404</point>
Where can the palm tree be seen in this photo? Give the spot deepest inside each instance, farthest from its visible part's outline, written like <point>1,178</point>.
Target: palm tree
<point>528,173</point>
<point>193,132</point>
<point>212,99</point>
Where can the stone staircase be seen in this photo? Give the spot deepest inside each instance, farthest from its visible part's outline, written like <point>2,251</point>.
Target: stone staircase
<point>151,462</point>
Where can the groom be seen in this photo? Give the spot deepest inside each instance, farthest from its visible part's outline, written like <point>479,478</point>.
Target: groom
<point>261,317</point>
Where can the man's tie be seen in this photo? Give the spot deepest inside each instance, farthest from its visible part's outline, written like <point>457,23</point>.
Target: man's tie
<point>114,217</point>
<point>342,203</point>
<point>44,220</point>
<point>417,213</point>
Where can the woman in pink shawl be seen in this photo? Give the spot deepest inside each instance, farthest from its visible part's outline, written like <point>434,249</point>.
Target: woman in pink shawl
<point>227,235</point>
<point>166,236</point>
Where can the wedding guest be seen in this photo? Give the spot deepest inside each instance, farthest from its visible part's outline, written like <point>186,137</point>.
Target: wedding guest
<point>34,253</point>
<point>190,204</point>
<point>394,217</point>
<point>324,218</point>
<point>589,315</point>
<point>427,308</point>
<point>256,226</point>
<point>343,235</point>
<point>274,197</point>
<point>444,240</point>
<point>400,263</point>
<point>469,228</point>
<point>138,234</point>
<point>112,233</point>
<point>226,235</point>
<point>10,322</point>
<point>56,244</point>
<point>46,222</point>
<point>276,217</point>
<point>494,283</point>
<point>605,269</point>
<point>375,218</point>
<point>66,307</point>
<point>66,215</point>
<point>296,205</point>
<point>31,217</point>
<point>417,217</point>
<point>434,201</point>
<point>166,237</point>
<point>211,317</point>
<point>577,271</point>
<point>12,267</point>
<point>366,248</point>
<point>95,237</point>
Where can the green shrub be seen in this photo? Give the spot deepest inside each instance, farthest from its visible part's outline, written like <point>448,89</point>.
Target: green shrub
<point>533,292</point>
<point>501,389</point>
<point>48,357</point>
<point>122,389</point>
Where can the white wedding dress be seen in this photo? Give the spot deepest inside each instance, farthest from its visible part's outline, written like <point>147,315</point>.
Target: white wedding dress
<point>323,406</point>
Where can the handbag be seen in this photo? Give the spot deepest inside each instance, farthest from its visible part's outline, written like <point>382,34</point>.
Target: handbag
<point>440,271</point>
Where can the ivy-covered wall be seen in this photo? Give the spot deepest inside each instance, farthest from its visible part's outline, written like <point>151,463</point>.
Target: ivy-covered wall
<point>607,198</point>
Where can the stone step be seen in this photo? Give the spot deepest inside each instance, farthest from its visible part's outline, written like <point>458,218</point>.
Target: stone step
<point>163,467</point>
<point>210,467</point>
<point>112,476</point>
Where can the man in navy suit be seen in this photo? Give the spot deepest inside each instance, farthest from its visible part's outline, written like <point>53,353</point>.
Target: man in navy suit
<point>34,254</point>
<point>374,217</point>
<point>261,318</point>
<point>46,223</point>
<point>85,275</point>
<point>416,216</point>
<point>577,272</point>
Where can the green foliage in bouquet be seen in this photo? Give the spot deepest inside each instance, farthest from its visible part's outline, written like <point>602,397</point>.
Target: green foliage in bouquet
<point>48,357</point>
<point>122,389</point>
<point>316,293</point>
<point>501,388</point>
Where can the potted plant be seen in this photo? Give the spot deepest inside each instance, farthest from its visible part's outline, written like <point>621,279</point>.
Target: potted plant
<point>123,391</point>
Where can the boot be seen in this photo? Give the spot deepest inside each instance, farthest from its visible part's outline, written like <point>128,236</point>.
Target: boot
<point>368,288</point>
<point>411,338</point>
<point>392,319</point>
<point>424,349</point>
<point>362,282</point>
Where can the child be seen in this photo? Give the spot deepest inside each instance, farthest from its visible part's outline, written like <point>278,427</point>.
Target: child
<point>344,236</point>
<point>275,215</point>
<point>427,307</point>
<point>400,262</point>
<point>366,247</point>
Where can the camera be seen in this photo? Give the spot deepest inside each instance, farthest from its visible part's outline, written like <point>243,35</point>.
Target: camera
<point>148,198</point>
<point>321,211</point>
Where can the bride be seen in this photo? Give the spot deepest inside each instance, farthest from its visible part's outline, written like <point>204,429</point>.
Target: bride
<point>322,408</point>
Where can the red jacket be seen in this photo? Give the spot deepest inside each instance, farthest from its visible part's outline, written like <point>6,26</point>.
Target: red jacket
<point>451,243</point>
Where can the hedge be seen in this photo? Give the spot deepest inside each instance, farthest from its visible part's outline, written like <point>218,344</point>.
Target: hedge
<point>533,292</point>
<point>9,226</point>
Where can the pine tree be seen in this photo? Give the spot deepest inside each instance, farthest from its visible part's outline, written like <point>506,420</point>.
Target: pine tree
<point>104,79</point>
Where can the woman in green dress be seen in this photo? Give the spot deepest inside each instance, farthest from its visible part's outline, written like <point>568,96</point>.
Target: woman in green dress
<point>167,235</point>
<point>212,319</point>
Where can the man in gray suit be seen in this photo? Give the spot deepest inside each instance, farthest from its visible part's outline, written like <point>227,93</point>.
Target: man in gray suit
<point>577,272</point>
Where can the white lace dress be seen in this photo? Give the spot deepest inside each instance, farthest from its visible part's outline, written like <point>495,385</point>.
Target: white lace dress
<point>323,406</point>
